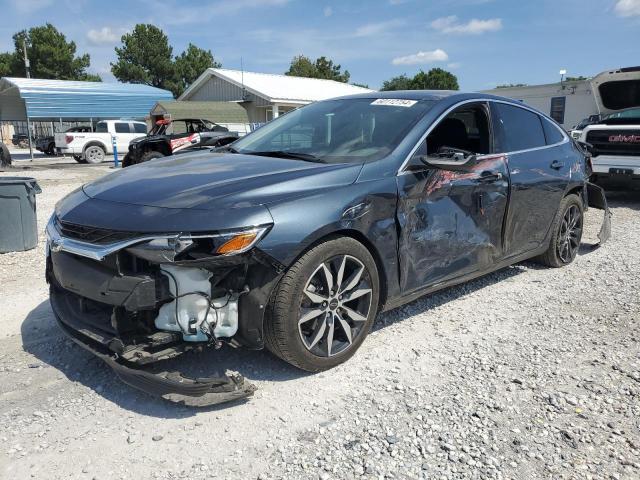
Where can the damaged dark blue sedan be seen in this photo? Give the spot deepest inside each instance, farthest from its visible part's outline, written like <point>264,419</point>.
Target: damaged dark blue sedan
<point>295,236</point>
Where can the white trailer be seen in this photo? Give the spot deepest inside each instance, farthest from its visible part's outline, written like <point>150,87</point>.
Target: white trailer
<point>570,102</point>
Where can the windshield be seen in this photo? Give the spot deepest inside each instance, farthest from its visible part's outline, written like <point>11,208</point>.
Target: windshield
<point>631,113</point>
<point>336,131</point>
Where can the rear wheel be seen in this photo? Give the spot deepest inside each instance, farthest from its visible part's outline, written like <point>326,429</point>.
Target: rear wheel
<point>51,149</point>
<point>94,154</point>
<point>324,306</point>
<point>566,233</point>
<point>79,159</point>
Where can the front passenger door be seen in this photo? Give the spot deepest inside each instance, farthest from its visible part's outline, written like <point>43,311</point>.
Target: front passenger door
<point>451,222</point>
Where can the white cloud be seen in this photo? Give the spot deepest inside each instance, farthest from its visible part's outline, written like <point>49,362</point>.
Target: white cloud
<point>627,8</point>
<point>30,6</point>
<point>372,29</point>
<point>328,11</point>
<point>177,15</point>
<point>104,36</point>
<point>422,58</point>
<point>472,27</point>
<point>454,65</point>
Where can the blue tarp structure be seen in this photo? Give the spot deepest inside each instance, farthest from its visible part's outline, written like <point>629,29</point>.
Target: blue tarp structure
<point>53,100</point>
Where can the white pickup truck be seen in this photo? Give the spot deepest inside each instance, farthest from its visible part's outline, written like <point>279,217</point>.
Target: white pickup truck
<point>615,148</point>
<point>93,147</point>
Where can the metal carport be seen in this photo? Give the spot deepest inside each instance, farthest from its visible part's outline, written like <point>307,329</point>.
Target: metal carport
<point>29,99</point>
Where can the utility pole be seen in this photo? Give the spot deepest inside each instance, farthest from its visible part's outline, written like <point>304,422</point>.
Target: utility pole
<point>26,59</point>
<point>26,67</point>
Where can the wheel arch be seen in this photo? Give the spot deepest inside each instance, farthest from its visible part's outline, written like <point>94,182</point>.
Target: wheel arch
<point>94,143</point>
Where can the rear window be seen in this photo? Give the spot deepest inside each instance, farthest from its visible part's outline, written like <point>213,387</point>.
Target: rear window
<point>551,132</point>
<point>139,128</point>
<point>521,129</point>
<point>101,127</point>
<point>122,127</point>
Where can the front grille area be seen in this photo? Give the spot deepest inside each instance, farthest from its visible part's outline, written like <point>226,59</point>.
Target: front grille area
<point>100,236</point>
<point>615,142</point>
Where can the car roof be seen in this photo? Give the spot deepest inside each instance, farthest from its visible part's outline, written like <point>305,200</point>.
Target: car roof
<point>437,95</point>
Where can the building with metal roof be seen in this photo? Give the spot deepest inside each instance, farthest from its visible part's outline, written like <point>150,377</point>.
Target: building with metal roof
<point>37,99</point>
<point>264,95</point>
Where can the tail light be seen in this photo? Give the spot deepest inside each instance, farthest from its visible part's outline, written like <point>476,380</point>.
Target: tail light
<point>68,138</point>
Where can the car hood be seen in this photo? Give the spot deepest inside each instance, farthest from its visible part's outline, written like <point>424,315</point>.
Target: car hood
<point>210,181</point>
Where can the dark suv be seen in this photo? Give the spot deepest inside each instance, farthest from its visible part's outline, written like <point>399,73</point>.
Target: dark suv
<point>302,231</point>
<point>170,137</point>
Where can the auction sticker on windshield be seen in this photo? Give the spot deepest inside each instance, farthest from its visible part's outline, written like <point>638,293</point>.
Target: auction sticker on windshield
<point>394,102</point>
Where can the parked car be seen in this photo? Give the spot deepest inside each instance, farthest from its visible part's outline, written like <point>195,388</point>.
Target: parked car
<point>170,137</point>
<point>20,140</point>
<point>614,144</point>
<point>93,147</point>
<point>302,231</point>
<point>47,145</point>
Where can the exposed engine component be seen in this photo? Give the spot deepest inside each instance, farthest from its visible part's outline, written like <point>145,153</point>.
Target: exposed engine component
<point>193,312</point>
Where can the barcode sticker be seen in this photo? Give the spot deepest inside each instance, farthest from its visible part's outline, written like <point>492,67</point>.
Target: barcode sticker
<point>394,102</point>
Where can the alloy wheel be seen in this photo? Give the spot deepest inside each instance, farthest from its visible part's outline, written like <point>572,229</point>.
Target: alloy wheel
<point>335,305</point>
<point>570,234</point>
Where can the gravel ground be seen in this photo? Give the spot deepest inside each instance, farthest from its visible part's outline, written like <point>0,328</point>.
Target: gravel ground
<point>526,373</point>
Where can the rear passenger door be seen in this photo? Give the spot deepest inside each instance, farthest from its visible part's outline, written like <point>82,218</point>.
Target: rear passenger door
<point>539,171</point>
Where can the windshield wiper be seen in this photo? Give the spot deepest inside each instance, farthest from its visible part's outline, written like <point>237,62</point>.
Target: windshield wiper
<point>307,157</point>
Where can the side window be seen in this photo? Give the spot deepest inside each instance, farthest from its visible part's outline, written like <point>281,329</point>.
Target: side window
<point>101,127</point>
<point>557,109</point>
<point>466,128</point>
<point>551,132</point>
<point>139,128</point>
<point>521,129</point>
<point>122,127</point>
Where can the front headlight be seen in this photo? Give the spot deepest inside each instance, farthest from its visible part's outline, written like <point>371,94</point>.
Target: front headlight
<point>198,246</point>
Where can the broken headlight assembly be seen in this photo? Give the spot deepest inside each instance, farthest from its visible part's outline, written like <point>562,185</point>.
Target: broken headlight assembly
<point>188,247</point>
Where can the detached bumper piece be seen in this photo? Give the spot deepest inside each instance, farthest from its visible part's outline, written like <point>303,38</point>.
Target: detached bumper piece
<point>597,199</point>
<point>172,386</point>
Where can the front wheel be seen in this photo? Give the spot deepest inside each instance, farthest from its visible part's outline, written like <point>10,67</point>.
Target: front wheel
<point>566,233</point>
<point>324,306</point>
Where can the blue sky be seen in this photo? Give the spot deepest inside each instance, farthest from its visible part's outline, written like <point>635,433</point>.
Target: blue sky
<point>484,42</point>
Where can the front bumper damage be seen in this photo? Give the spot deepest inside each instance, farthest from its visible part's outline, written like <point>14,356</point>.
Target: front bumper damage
<point>130,366</point>
<point>111,305</point>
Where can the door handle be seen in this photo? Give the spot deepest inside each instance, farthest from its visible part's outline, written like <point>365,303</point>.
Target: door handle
<point>557,164</point>
<point>490,177</point>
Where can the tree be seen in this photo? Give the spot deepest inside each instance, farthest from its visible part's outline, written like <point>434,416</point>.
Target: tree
<point>145,57</point>
<point>356,84</point>
<point>302,66</point>
<point>401,82</point>
<point>511,85</point>
<point>50,56</point>
<point>434,79</point>
<point>189,65</point>
<point>575,79</point>
<point>6,60</point>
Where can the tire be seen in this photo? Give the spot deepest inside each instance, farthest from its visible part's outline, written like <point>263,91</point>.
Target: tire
<point>300,294</point>
<point>51,149</point>
<point>94,154</point>
<point>79,159</point>
<point>566,234</point>
<point>150,155</point>
<point>5,156</point>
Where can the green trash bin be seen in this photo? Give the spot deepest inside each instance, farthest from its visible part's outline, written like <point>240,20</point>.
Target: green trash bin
<point>18,222</point>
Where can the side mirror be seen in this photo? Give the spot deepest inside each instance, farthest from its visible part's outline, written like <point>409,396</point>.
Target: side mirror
<point>451,159</point>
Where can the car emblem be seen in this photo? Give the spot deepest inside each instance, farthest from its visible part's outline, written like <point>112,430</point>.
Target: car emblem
<point>624,138</point>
